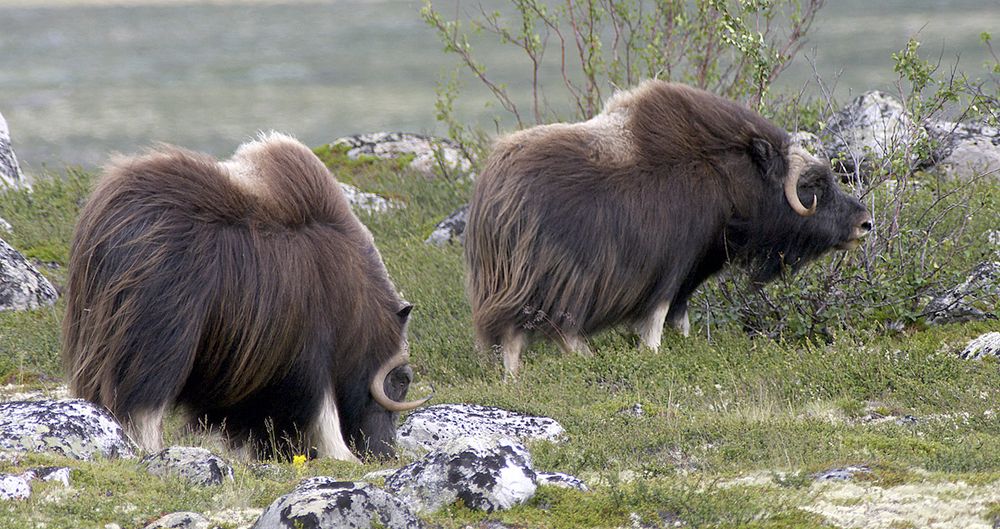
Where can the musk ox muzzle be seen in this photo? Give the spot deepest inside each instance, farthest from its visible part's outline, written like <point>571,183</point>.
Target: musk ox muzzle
<point>577,227</point>
<point>245,292</point>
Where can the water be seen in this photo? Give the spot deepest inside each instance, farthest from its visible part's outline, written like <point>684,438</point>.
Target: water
<point>82,78</point>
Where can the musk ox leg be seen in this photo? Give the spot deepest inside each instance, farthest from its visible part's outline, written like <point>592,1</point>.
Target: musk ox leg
<point>146,428</point>
<point>680,321</point>
<point>326,434</point>
<point>575,344</point>
<point>650,330</point>
<point>511,347</point>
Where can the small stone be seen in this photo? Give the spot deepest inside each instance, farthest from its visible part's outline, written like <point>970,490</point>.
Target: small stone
<point>10,171</point>
<point>435,426</point>
<point>323,502</point>
<point>842,474</point>
<point>14,487</point>
<point>558,479</point>
<point>180,520</point>
<point>366,202</point>
<point>487,474</point>
<point>985,345</point>
<point>431,156</point>
<point>22,287</point>
<point>451,229</point>
<point>197,465</point>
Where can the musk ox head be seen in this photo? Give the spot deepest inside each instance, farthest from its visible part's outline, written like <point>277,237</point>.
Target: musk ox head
<point>245,292</point>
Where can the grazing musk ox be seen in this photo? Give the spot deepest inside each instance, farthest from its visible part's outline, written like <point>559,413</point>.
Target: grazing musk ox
<point>246,292</point>
<point>576,227</point>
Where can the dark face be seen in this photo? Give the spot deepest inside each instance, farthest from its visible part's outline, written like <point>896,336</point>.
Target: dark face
<point>377,435</point>
<point>779,237</point>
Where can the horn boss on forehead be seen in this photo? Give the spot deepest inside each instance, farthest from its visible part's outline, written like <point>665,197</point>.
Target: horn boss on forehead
<point>576,227</point>
<point>245,292</point>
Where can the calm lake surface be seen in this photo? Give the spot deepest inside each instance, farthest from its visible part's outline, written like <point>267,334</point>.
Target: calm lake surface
<point>80,79</point>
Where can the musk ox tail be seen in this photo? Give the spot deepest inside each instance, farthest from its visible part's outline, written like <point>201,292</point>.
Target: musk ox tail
<point>160,270</point>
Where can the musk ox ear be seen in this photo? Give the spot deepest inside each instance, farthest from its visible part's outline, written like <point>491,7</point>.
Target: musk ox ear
<point>404,313</point>
<point>764,155</point>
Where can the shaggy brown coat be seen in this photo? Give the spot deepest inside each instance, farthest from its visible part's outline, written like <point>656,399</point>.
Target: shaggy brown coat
<point>245,291</point>
<point>576,227</point>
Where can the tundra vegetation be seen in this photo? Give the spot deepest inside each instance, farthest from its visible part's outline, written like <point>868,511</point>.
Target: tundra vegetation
<point>837,366</point>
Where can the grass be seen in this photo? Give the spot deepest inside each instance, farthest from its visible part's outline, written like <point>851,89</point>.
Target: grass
<point>732,429</point>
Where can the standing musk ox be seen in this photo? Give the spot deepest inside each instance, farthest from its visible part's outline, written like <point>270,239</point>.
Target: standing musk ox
<point>577,227</point>
<point>246,292</point>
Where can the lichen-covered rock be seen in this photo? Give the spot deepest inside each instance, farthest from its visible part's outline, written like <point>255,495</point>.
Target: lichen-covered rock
<point>74,428</point>
<point>10,171</point>
<point>451,229</point>
<point>967,150</point>
<point>558,479</point>
<point>842,473</point>
<point>197,465</point>
<point>873,122</point>
<point>366,202</point>
<point>322,502</point>
<point>436,426</point>
<point>985,345</point>
<point>976,298</point>
<point>431,156</point>
<point>22,287</point>
<point>487,474</point>
<point>14,487</point>
<point>60,474</point>
<point>5,226</point>
<point>180,520</point>
<point>808,141</point>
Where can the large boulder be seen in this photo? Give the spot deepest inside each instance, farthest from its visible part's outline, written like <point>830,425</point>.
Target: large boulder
<point>435,427</point>
<point>73,428</point>
<point>196,465</point>
<point>22,287</point>
<point>362,201</point>
<point>487,474</point>
<point>968,150</point>
<point>985,345</point>
<point>180,520</point>
<point>322,502</point>
<point>976,298</point>
<point>873,126</point>
<point>10,171</point>
<point>431,156</point>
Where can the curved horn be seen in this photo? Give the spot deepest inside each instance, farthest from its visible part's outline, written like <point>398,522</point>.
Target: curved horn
<point>378,386</point>
<point>796,163</point>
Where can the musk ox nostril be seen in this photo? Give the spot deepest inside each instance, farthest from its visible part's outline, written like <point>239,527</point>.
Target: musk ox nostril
<point>867,226</point>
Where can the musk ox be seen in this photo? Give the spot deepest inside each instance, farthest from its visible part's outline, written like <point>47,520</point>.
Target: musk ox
<point>245,292</point>
<point>576,227</point>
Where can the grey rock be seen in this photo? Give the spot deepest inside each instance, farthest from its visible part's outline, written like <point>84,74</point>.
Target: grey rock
<point>451,229</point>
<point>366,202</point>
<point>10,171</point>
<point>60,474</point>
<point>842,473</point>
<point>967,150</point>
<point>487,474</point>
<point>180,520</point>
<point>197,465</point>
<point>22,287</point>
<point>985,345</point>
<point>5,226</point>
<point>435,427</point>
<point>874,123</point>
<point>323,502</point>
<point>973,299</point>
<point>73,428</point>
<point>558,479</point>
<point>635,410</point>
<point>431,155</point>
<point>14,487</point>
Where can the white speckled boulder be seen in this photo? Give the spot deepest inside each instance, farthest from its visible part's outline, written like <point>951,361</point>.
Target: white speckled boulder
<point>10,171</point>
<point>969,150</point>
<point>18,487</point>
<point>431,155</point>
<point>197,465</point>
<point>976,298</point>
<point>487,474</point>
<point>435,426</point>
<point>180,520</point>
<point>323,502</point>
<point>558,479</point>
<point>74,428</point>
<point>451,229</point>
<point>873,122</point>
<point>362,201</point>
<point>985,345</point>
<point>22,287</point>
